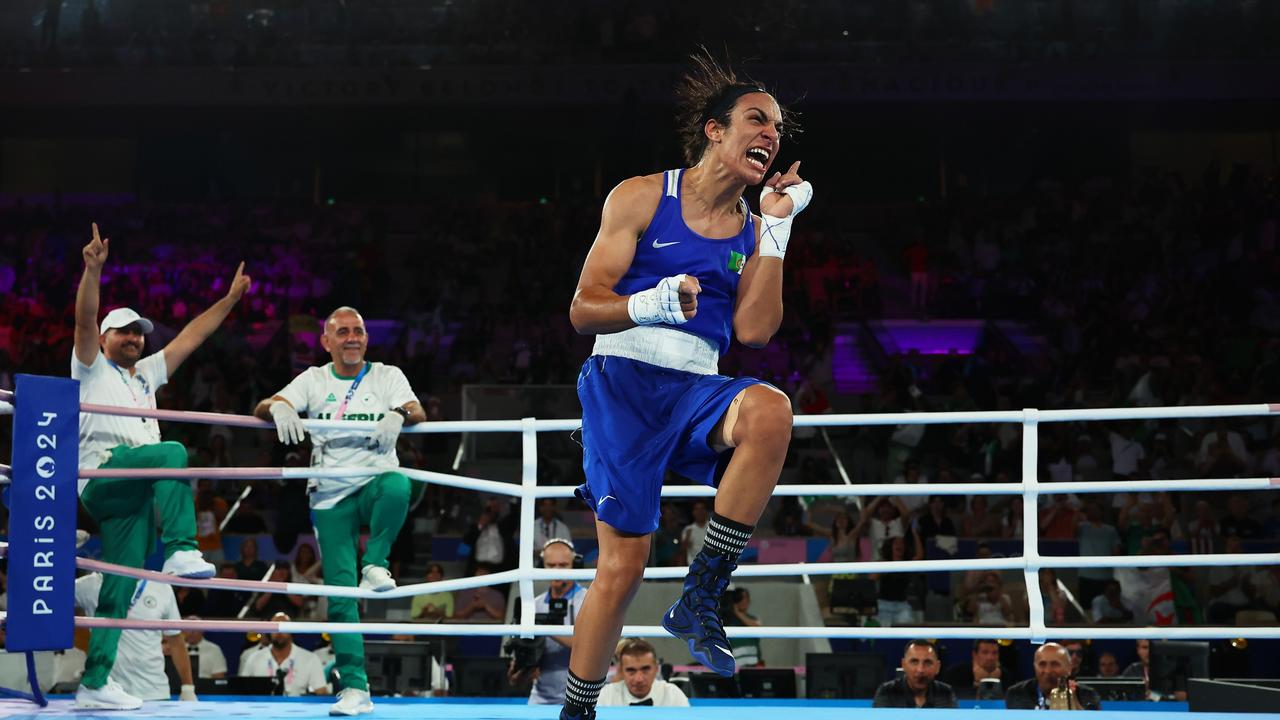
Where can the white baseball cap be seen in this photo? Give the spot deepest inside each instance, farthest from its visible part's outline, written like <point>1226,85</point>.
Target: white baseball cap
<point>122,317</point>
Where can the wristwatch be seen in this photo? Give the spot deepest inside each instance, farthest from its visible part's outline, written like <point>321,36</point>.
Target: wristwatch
<point>401,411</point>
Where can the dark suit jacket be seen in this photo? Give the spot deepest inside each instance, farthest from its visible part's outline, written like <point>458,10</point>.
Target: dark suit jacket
<point>1025,696</point>
<point>895,694</point>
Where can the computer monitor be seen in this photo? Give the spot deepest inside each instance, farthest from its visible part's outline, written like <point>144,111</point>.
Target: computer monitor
<point>1116,688</point>
<point>481,677</point>
<point>767,682</point>
<point>710,685</point>
<point>853,596</point>
<point>843,675</point>
<point>398,667</point>
<point>1173,661</point>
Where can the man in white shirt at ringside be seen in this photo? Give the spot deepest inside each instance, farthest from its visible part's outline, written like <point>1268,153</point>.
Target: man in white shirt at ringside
<point>298,668</point>
<point>139,667</point>
<point>640,684</point>
<point>212,663</point>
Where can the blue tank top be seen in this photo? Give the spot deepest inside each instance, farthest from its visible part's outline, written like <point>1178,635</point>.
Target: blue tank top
<point>668,247</point>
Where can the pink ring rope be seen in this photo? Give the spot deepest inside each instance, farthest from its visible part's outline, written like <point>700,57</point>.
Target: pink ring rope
<point>291,588</point>
<point>200,418</point>
<point>260,626</point>
<point>214,583</point>
<point>218,473</point>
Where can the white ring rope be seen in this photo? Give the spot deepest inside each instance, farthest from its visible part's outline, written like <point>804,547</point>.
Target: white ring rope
<point>1030,563</point>
<point>678,572</point>
<point>499,487</point>
<point>968,632</point>
<point>900,418</point>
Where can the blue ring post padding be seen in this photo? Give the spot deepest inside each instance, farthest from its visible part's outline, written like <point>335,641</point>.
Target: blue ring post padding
<point>42,520</point>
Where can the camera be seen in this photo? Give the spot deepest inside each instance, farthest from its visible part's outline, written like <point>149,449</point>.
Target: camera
<point>557,609</point>
<point>526,653</point>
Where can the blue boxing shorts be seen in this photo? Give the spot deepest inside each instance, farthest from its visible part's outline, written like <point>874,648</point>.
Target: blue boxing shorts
<point>638,421</point>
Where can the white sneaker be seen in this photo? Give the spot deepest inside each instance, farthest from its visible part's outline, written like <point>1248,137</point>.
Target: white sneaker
<point>108,697</point>
<point>377,579</point>
<point>352,702</point>
<point>189,564</point>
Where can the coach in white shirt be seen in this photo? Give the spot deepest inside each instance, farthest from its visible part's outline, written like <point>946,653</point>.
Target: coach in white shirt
<point>640,684</point>
<point>140,666</point>
<point>303,673</point>
<point>108,361</point>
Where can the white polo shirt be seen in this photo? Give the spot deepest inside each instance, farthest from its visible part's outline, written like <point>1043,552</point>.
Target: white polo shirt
<point>139,664</point>
<point>320,392</point>
<point>663,694</point>
<point>248,653</point>
<point>211,658</point>
<point>303,671</point>
<point>105,383</point>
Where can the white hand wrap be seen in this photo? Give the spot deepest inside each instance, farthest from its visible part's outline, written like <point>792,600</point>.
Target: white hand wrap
<point>775,232</point>
<point>188,693</point>
<point>658,304</point>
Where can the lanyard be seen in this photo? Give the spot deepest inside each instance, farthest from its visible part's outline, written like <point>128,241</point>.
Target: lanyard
<point>285,667</point>
<point>351,391</point>
<point>142,584</point>
<point>126,382</point>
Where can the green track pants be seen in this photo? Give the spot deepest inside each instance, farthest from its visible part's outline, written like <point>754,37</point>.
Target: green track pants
<point>382,504</point>
<point>125,509</point>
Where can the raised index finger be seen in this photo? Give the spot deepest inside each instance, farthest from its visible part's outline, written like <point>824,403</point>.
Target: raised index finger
<point>240,270</point>
<point>795,167</point>
<point>95,232</point>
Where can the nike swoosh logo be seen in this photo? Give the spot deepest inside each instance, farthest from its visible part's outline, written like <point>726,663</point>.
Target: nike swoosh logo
<point>672,614</point>
<point>726,652</point>
<point>658,246</point>
<point>606,497</point>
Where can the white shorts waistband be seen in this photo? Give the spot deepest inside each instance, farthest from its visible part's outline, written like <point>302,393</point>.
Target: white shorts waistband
<point>662,346</point>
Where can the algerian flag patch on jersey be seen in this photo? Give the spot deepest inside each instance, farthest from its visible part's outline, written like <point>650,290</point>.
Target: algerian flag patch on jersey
<point>736,261</point>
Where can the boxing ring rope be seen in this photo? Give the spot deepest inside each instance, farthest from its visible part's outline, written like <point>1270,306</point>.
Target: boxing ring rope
<point>504,488</point>
<point>1030,562</point>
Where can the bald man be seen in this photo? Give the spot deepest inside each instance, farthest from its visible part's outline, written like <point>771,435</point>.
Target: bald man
<point>350,388</point>
<point>1053,664</point>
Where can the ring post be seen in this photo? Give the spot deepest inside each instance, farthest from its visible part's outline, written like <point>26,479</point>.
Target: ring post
<point>528,486</point>
<point>42,525</point>
<point>1031,523</point>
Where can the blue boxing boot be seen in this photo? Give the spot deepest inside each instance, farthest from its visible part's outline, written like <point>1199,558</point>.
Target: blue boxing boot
<point>695,617</point>
<point>568,713</point>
